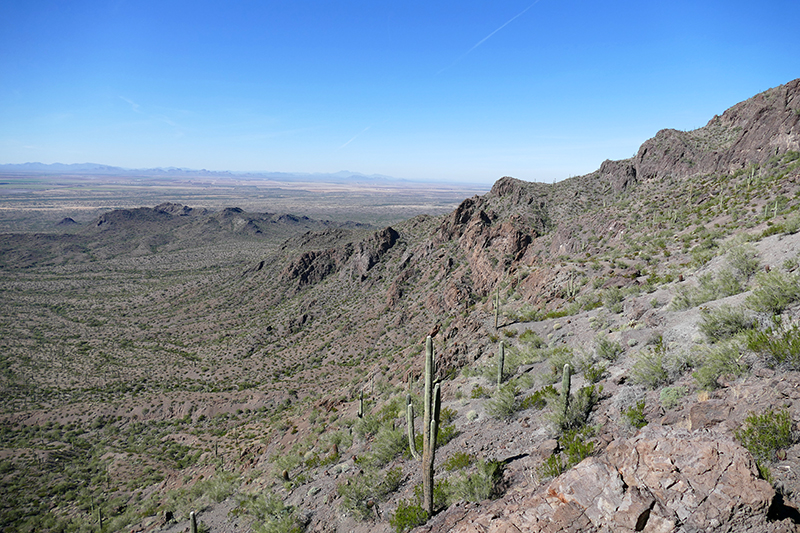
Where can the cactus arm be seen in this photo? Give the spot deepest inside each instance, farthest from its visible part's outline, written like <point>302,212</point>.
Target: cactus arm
<point>500,363</point>
<point>410,426</point>
<point>565,386</point>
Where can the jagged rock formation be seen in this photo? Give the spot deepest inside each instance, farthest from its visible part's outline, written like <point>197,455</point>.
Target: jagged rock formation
<point>748,133</point>
<point>659,481</point>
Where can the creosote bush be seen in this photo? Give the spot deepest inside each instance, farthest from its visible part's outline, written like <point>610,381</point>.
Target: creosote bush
<point>725,322</point>
<point>708,288</point>
<point>670,397</point>
<point>407,516</point>
<point>778,343</point>
<point>650,368</point>
<point>578,410</point>
<point>367,488</point>
<point>744,261</point>
<point>775,291</point>
<point>575,447</point>
<point>606,348</point>
<point>504,403</point>
<point>635,415</point>
<point>722,359</point>
<point>764,435</point>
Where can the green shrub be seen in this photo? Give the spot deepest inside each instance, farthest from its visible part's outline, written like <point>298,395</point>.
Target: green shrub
<point>218,487</point>
<point>722,359</point>
<point>580,407</point>
<point>443,435</point>
<point>388,444</point>
<point>575,446</point>
<point>792,225</point>
<point>635,415</point>
<point>650,368</point>
<point>552,467</point>
<point>532,339</point>
<point>407,516</point>
<point>479,392</point>
<point>504,403</point>
<point>725,322</point>
<point>458,461</point>
<point>442,493</point>
<point>480,485</point>
<point>538,400</point>
<point>612,299</point>
<point>781,345</point>
<point>708,289</point>
<point>558,357</point>
<point>764,435</point>
<point>269,512</point>
<point>594,373</point>
<point>744,261</point>
<point>447,415</point>
<point>607,349</point>
<point>775,291</point>
<point>365,489</point>
<point>670,396</point>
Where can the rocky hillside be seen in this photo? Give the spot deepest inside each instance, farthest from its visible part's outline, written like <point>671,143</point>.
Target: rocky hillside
<point>181,359</point>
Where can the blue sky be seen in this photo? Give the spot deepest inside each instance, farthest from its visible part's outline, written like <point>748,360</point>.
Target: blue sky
<point>463,91</point>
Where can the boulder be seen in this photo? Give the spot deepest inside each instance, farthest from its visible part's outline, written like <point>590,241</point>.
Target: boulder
<point>661,480</point>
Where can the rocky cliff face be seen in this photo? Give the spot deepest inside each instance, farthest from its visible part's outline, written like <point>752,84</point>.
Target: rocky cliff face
<point>748,133</point>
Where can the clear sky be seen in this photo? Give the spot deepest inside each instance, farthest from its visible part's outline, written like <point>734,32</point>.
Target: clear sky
<point>441,90</point>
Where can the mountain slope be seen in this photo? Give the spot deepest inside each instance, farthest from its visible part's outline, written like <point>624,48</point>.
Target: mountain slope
<point>235,346</point>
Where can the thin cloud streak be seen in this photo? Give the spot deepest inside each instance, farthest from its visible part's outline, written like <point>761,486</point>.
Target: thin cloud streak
<point>133,104</point>
<point>512,19</point>
<point>354,137</point>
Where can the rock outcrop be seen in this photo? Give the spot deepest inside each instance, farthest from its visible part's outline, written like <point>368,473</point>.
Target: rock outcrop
<point>748,133</point>
<point>661,480</point>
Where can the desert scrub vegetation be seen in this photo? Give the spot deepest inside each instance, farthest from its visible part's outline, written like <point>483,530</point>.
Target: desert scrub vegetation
<point>779,343</point>
<point>670,397</point>
<point>774,292</point>
<point>574,446</point>
<point>709,288</point>
<point>722,359</point>
<point>269,513</point>
<point>655,365</point>
<point>607,349</point>
<point>765,435</point>
<point>725,322</point>
<point>360,493</point>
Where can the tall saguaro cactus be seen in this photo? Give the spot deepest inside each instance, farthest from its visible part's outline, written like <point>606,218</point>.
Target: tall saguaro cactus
<point>497,307</point>
<point>430,426</point>
<point>430,423</point>
<point>566,379</point>
<point>501,359</point>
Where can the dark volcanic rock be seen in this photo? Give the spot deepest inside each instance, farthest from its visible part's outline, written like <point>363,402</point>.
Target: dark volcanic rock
<point>67,222</point>
<point>749,132</point>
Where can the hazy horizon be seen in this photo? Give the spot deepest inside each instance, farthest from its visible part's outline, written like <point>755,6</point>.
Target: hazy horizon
<point>447,92</point>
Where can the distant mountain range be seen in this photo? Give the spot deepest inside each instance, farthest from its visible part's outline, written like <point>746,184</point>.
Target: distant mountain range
<point>108,170</point>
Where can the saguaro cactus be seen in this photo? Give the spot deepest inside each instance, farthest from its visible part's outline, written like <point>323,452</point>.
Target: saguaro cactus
<point>361,405</point>
<point>497,307</point>
<point>193,522</point>
<point>410,427</point>
<point>566,380</point>
<point>430,426</point>
<point>501,359</point>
